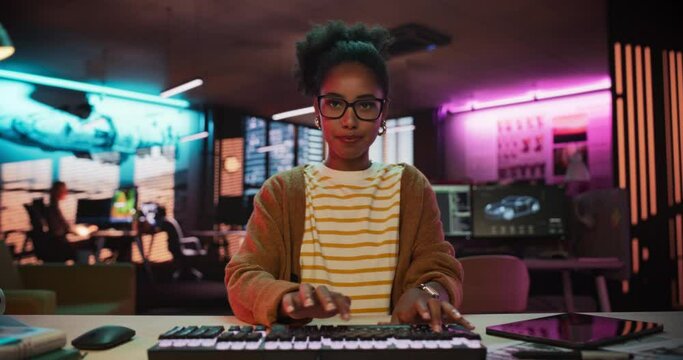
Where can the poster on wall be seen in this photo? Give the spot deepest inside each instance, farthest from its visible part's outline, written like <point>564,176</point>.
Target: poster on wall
<point>521,148</point>
<point>570,137</point>
<point>53,119</point>
<point>563,155</point>
<point>93,142</point>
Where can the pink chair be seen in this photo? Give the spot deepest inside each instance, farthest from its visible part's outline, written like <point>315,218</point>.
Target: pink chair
<point>494,284</point>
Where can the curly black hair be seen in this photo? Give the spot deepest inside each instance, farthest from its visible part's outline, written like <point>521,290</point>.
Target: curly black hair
<point>336,42</point>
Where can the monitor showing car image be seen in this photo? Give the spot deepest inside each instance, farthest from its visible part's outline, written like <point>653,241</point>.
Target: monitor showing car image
<point>518,211</point>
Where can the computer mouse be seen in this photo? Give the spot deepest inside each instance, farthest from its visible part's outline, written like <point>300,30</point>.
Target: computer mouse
<point>103,337</point>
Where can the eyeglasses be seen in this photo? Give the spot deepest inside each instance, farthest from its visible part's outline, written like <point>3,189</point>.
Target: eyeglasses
<point>365,109</point>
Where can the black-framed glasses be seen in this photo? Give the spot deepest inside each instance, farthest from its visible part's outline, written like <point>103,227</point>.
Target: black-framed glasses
<point>368,109</point>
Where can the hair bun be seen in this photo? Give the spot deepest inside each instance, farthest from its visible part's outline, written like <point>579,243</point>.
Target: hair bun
<point>324,39</point>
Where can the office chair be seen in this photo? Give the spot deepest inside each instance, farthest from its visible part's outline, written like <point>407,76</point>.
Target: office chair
<point>183,248</point>
<point>600,227</point>
<point>494,284</point>
<point>45,247</point>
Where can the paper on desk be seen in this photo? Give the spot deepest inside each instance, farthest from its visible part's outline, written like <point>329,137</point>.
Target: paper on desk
<point>659,346</point>
<point>505,350</point>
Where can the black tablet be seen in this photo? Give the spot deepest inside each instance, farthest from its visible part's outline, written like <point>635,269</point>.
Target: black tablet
<point>576,331</point>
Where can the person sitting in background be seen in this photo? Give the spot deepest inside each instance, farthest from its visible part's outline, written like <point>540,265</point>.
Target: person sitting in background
<point>58,227</point>
<point>346,229</point>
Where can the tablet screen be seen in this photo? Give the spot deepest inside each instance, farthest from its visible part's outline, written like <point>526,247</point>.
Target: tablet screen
<point>578,331</point>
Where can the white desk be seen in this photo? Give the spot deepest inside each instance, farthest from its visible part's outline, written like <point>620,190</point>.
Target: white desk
<point>148,328</point>
<point>566,266</point>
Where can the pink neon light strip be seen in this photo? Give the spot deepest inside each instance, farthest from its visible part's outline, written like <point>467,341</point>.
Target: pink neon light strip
<point>532,96</point>
<point>602,85</point>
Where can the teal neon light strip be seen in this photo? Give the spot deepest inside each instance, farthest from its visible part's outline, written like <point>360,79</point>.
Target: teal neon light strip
<point>89,88</point>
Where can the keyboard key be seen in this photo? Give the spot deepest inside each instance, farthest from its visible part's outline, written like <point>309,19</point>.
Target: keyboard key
<point>246,329</point>
<point>170,333</point>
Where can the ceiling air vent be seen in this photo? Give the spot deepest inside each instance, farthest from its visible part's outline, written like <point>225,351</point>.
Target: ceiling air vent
<point>410,38</point>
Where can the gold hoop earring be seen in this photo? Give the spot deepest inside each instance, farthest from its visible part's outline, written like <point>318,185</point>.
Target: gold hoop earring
<point>383,129</point>
<point>317,123</point>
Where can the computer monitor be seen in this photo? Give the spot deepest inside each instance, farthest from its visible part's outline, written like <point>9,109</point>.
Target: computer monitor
<point>518,211</point>
<point>93,211</point>
<point>454,205</point>
<point>149,213</point>
<point>123,205</point>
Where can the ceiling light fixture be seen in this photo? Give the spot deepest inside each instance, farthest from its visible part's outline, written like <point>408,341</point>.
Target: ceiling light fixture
<point>269,148</point>
<point>182,88</point>
<point>6,47</point>
<point>192,137</point>
<point>293,113</point>
<point>89,88</point>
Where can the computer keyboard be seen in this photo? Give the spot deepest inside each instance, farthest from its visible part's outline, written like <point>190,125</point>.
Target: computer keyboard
<point>359,342</point>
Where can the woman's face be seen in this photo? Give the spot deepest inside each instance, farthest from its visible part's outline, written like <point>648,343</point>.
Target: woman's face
<point>349,138</point>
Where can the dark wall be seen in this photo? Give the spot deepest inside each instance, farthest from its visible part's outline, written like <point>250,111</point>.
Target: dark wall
<point>656,23</point>
<point>658,26</point>
<point>428,144</point>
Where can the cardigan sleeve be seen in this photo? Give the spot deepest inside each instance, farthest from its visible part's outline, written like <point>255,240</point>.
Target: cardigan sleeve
<point>433,258</point>
<point>252,275</point>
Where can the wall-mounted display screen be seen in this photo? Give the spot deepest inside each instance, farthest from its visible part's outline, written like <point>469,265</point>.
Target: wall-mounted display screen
<point>254,160</point>
<point>310,145</point>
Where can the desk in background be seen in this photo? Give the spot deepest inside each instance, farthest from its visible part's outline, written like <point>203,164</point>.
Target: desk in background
<point>99,238</point>
<point>596,265</point>
<point>148,328</point>
<point>228,241</point>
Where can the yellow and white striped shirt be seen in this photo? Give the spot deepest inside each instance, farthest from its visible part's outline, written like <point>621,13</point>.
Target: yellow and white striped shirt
<point>351,233</point>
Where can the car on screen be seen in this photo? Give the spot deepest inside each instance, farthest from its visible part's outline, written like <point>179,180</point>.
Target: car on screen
<point>512,207</point>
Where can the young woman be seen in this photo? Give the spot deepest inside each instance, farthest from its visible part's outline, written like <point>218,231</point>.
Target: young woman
<point>347,236</point>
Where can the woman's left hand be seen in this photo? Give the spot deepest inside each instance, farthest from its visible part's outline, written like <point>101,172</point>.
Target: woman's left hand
<point>416,306</point>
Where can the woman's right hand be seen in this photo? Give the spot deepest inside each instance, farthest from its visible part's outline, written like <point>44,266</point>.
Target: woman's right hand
<point>310,302</point>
